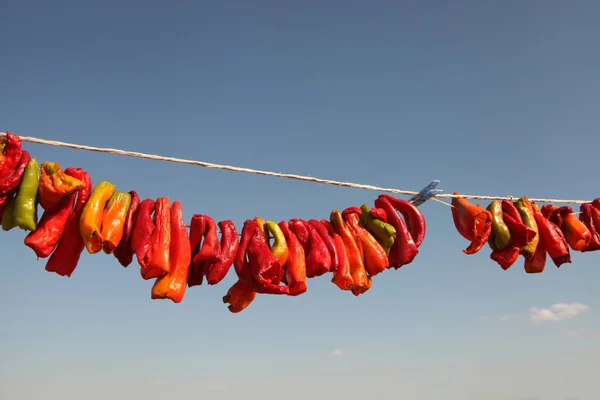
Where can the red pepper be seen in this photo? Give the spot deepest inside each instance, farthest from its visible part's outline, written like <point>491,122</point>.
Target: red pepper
<point>318,260</point>
<point>239,296</point>
<point>197,272</point>
<point>472,222</point>
<point>415,222</point>
<point>404,250</point>
<point>299,228</point>
<point>378,213</point>
<point>12,155</point>
<point>160,241</point>
<point>216,271</point>
<point>351,210</point>
<point>328,240</point>
<point>65,257</point>
<point>375,258</point>
<point>50,228</point>
<point>506,257</point>
<point>577,234</point>
<point>141,235</point>
<point>124,251</point>
<point>295,268</point>
<point>342,276</point>
<point>10,182</point>
<point>553,238</point>
<point>210,249</point>
<point>587,213</point>
<point>536,264</point>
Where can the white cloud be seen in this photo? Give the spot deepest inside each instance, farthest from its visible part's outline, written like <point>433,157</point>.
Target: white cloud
<point>337,353</point>
<point>557,312</point>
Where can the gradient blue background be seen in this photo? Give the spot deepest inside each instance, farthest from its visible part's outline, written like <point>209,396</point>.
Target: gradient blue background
<point>489,97</point>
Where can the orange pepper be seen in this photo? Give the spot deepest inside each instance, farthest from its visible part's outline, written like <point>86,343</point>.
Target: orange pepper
<point>472,222</point>
<point>90,224</point>
<point>114,220</point>
<point>55,185</point>
<point>239,296</point>
<point>376,259</point>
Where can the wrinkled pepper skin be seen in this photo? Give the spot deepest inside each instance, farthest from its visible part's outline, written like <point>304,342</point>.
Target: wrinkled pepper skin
<point>295,267</point>
<point>526,212</point>
<point>500,236</point>
<point>536,264</point>
<point>13,180</point>
<point>553,238</point>
<point>141,234</point>
<point>25,212</point>
<point>375,258</point>
<point>520,233</point>
<point>124,251</point>
<point>197,271</point>
<point>506,257</point>
<point>299,228</point>
<point>261,227</point>
<point>211,248</point>
<point>378,213</point>
<point>318,260</point>
<point>472,222</point>
<point>229,245</point>
<point>415,221</point>
<point>173,285</point>
<point>65,257</point>
<point>160,241</point>
<point>55,185</point>
<point>360,281</point>
<point>279,247</point>
<point>586,216</point>
<point>11,154</point>
<point>90,224</point>
<point>50,228</point>
<point>239,296</point>
<point>328,240</point>
<point>382,231</point>
<point>577,234</point>
<point>113,222</point>
<point>404,249</point>
<point>342,276</point>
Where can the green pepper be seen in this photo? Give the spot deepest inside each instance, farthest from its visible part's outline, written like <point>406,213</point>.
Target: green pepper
<point>22,210</point>
<point>383,232</point>
<point>526,211</point>
<point>500,237</point>
<point>8,218</point>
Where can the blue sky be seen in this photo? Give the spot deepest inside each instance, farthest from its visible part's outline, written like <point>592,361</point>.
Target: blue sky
<point>490,98</point>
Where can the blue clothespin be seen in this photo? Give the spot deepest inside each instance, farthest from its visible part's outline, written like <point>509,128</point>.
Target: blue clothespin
<point>426,193</point>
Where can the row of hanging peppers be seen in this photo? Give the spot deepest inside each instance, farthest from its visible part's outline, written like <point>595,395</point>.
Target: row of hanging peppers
<point>523,228</point>
<point>269,258</point>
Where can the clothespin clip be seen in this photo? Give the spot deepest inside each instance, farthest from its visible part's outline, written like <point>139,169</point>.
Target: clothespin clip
<point>426,193</point>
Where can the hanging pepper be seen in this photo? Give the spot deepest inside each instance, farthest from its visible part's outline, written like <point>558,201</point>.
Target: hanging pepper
<point>526,211</point>
<point>520,233</point>
<point>12,155</point>
<point>548,211</point>
<point>382,231</point>
<point>160,241</point>
<point>13,180</point>
<point>577,234</point>
<point>328,240</point>
<point>536,264</point>
<point>261,227</point>
<point>210,249</point>
<point>52,225</point>
<point>361,282</point>
<point>239,296</point>
<point>216,271</point>
<point>124,251</point>
<point>415,222</point>
<point>173,285</point>
<point>197,271</point>
<point>113,222</point>
<point>342,276</point>
<point>404,250</point>
<point>92,216</point>
<point>2,147</point>
<point>586,216</point>
<point>25,211</point>
<point>295,267</point>
<point>141,234</point>
<point>280,246</point>
<point>472,222</point>
<point>8,217</point>
<point>500,236</point>
<point>318,260</point>
<point>299,229</point>
<point>4,200</point>
<point>375,258</point>
<point>553,238</point>
<point>65,257</point>
<point>56,185</point>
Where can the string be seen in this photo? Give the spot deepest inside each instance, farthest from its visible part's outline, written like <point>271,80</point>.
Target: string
<point>205,164</point>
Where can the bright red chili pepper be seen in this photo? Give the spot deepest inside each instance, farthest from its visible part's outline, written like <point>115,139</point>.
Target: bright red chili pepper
<point>12,155</point>
<point>295,268</point>
<point>472,222</point>
<point>124,251</point>
<point>404,250</point>
<point>141,235</point>
<point>50,228</point>
<point>342,276</point>
<point>216,271</point>
<point>586,216</point>
<point>328,240</point>
<point>415,222</point>
<point>553,238</point>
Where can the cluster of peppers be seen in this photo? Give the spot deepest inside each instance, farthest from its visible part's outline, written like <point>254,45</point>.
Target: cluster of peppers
<point>523,228</point>
<point>268,258</point>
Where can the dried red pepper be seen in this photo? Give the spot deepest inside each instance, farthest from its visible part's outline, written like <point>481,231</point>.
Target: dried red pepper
<point>378,213</point>
<point>375,257</point>
<point>239,296</point>
<point>553,238</point>
<point>204,251</point>
<point>113,221</point>
<point>55,185</point>
<point>295,267</point>
<point>141,234</point>
<point>472,222</point>
<point>51,227</point>
<point>404,250</point>
<point>318,260</point>
<point>173,285</point>
<point>328,240</point>
<point>216,271</point>
<point>124,251</point>
<point>577,234</point>
<point>520,233</point>
<point>11,181</point>
<point>12,155</point>
<point>342,276</point>
<point>586,215</point>
<point>160,241</point>
<point>211,248</point>
<point>536,264</point>
<point>415,222</point>
<point>299,228</point>
<point>197,272</point>
<point>65,257</point>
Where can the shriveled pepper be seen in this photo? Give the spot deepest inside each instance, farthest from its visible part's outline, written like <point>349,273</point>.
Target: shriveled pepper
<point>300,229</point>
<point>553,238</point>
<point>197,270</point>
<point>500,236</point>
<point>160,241</point>
<point>381,230</point>
<point>113,222</point>
<point>92,216</point>
<point>328,240</point>
<point>261,227</point>
<point>50,228</point>
<point>141,234</point>
<point>342,276</point>
<point>586,215</point>
<point>4,200</point>
<point>526,211</point>
<point>8,217</point>
<point>472,222</point>
<point>520,233</point>
<point>577,234</point>
<point>295,267</point>
<point>360,281</point>
<point>11,154</point>
<point>404,250</point>
<point>216,271</point>
<point>415,222</point>
<point>378,213</point>
<point>375,258</point>
<point>173,285</point>
<point>13,180</point>
<point>536,264</point>
<point>124,251</point>
<point>55,185</point>
<point>65,257</point>
<point>239,296</point>
<point>318,260</point>
<point>210,249</point>
<point>280,246</point>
